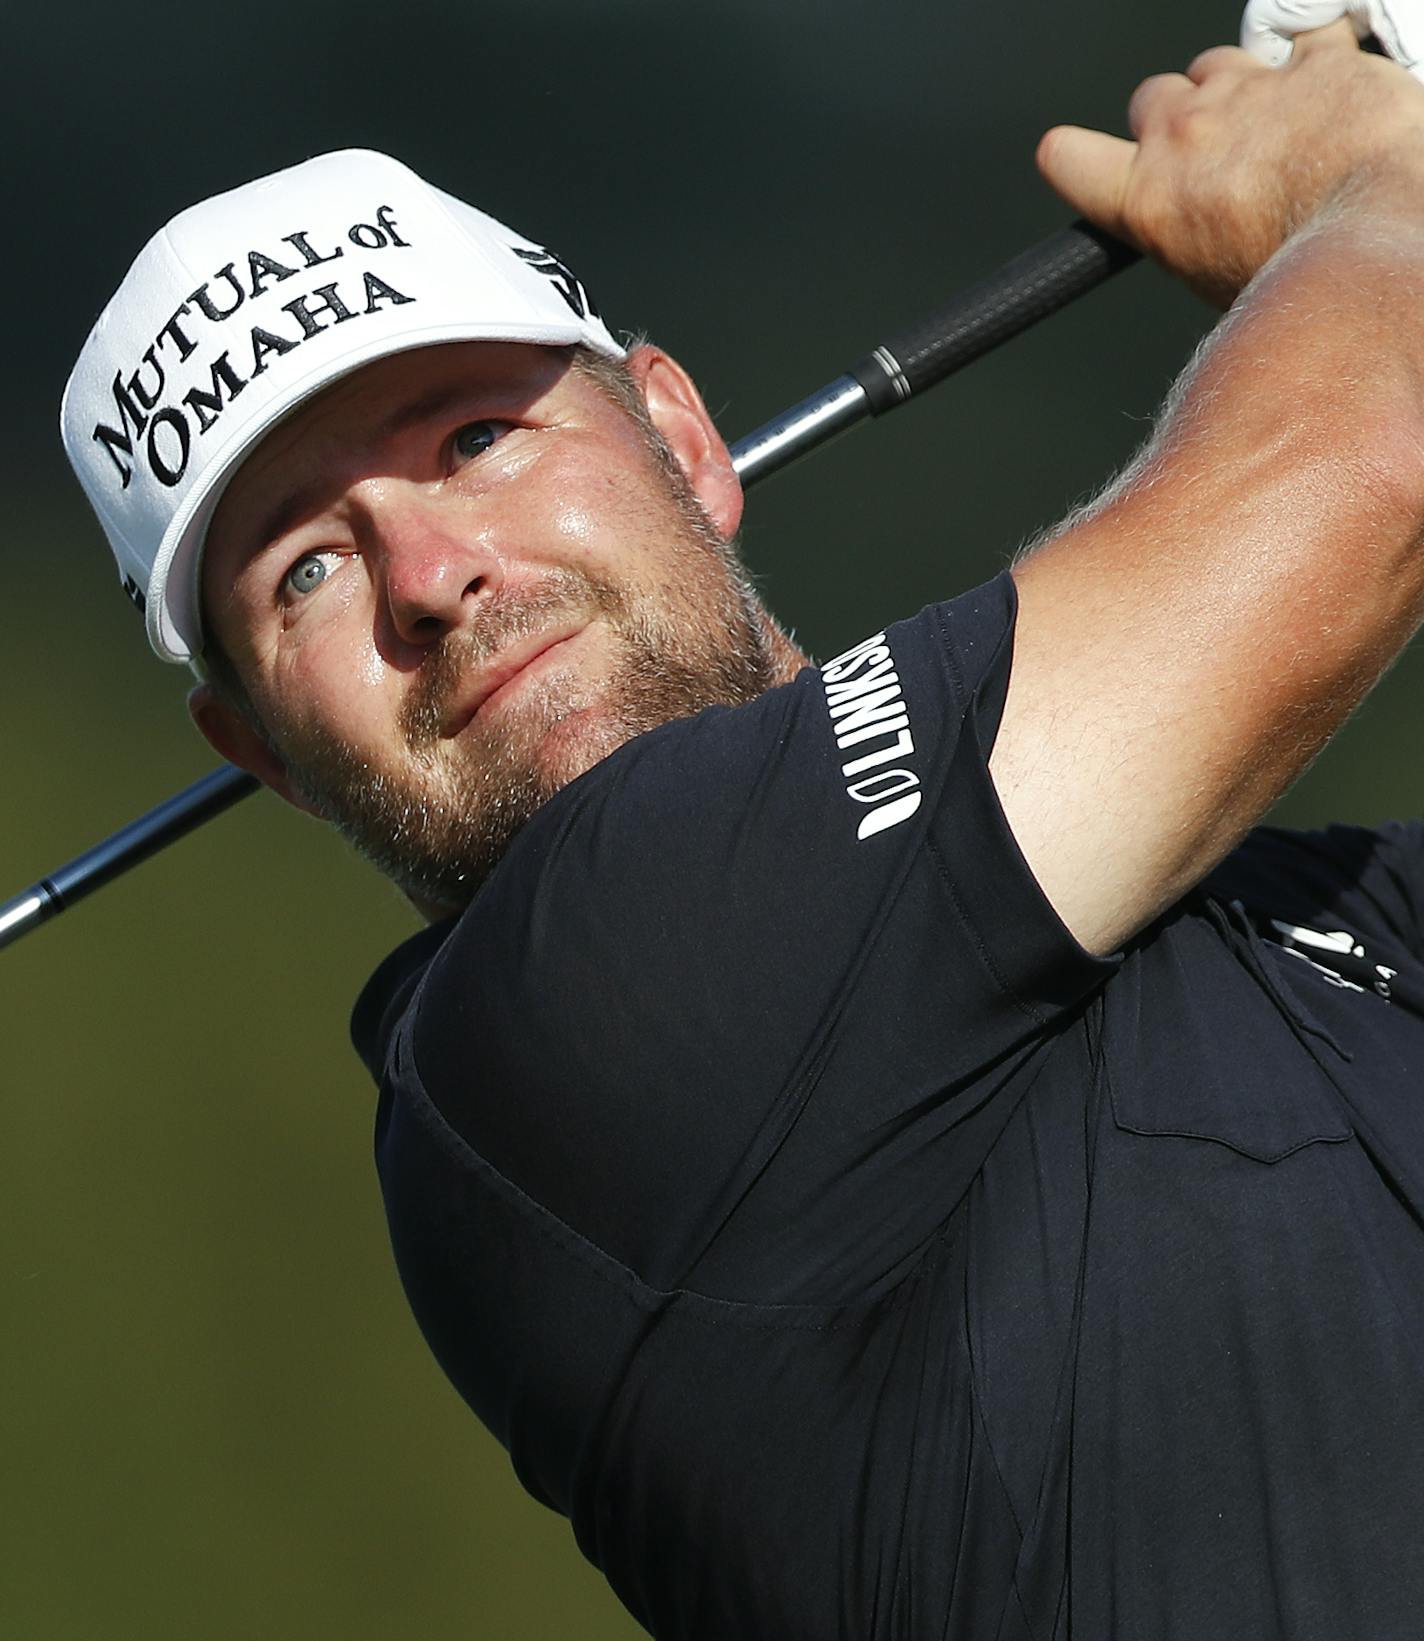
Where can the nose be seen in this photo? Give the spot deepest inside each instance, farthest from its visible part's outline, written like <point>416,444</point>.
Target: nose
<point>437,566</point>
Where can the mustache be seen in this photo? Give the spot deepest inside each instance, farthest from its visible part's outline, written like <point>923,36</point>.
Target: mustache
<point>508,617</point>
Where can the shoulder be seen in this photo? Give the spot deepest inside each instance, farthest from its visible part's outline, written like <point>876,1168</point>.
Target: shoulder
<point>388,993</point>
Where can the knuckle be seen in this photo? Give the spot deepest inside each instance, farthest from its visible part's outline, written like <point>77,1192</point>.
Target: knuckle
<point>1186,122</point>
<point>1215,60</point>
<point>1139,107</point>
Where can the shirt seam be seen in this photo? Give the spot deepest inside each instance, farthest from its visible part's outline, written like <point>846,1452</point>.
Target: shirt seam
<point>813,1317</point>
<point>1039,1017</point>
<point>964,702</point>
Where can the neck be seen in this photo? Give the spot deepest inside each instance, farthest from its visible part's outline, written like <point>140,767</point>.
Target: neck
<point>788,658</point>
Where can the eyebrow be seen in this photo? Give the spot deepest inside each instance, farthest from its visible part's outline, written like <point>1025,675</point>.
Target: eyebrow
<point>429,405</point>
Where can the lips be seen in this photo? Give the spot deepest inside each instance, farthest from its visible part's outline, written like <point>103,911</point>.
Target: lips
<point>505,667</point>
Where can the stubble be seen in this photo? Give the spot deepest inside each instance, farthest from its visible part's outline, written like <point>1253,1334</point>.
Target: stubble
<point>442,813</point>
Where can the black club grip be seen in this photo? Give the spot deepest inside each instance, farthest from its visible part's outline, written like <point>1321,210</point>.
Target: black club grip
<point>1039,282</point>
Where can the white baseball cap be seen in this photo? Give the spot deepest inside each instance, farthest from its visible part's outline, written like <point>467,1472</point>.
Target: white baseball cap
<point>249,303</point>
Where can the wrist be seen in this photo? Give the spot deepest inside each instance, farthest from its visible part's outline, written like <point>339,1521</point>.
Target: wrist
<point>1384,189</point>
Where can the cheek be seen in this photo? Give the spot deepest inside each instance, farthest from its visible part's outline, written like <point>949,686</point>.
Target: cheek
<point>328,654</point>
<point>335,685</point>
<point>577,528</point>
<point>367,668</point>
<point>608,515</point>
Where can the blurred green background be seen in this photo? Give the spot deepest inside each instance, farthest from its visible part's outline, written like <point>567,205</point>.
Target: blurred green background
<point>218,1419</point>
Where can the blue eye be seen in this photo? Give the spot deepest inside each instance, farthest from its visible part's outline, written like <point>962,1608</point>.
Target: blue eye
<point>307,573</point>
<point>474,438</point>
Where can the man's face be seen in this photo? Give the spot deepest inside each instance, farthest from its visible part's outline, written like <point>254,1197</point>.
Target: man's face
<point>461,577</point>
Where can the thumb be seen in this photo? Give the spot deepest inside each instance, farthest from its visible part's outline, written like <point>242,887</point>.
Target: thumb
<point>1090,170</point>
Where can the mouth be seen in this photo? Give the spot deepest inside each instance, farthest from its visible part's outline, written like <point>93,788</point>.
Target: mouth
<point>503,676</point>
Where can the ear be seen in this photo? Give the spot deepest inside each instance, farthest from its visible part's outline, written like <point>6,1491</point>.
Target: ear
<point>232,737</point>
<point>678,413</point>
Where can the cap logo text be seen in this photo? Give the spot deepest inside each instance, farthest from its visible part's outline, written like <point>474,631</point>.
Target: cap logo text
<point>160,433</point>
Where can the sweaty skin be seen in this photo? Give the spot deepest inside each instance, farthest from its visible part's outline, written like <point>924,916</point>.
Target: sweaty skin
<point>459,578</point>
<point>1184,650</point>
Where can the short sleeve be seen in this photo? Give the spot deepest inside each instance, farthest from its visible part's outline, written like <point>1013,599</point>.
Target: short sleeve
<point>793,927</point>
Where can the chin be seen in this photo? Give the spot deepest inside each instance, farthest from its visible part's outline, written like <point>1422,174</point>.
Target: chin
<point>576,743</point>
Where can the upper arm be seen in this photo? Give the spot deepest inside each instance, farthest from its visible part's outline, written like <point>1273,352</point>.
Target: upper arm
<point>1185,650</point>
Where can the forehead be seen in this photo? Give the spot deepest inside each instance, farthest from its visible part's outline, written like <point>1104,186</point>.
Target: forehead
<point>390,394</point>
<point>353,421</point>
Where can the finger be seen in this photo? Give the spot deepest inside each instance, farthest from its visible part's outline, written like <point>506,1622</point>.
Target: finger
<point>1090,170</point>
<point>1219,60</point>
<point>1155,98</point>
<point>1269,27</point>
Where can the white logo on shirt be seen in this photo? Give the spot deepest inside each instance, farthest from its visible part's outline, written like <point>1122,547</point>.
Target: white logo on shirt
<point>867,707</point>
<point>1340,945</point>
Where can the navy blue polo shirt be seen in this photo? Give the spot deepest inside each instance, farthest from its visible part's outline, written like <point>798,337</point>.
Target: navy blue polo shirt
<point>848,1254</point>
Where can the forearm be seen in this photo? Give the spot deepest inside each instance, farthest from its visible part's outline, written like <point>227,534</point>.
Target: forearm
<point>1299,427</point>
<point>1318,371</point>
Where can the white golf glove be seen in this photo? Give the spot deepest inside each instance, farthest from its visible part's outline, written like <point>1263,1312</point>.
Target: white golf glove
<point>1269,26</point>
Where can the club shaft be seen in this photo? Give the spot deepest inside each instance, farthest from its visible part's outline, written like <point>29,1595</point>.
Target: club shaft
<point>1039,282</point>
<point>1035,284</point>
<point>138,840</point>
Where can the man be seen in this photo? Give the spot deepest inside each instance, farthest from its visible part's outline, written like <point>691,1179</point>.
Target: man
<point>847,1130</point>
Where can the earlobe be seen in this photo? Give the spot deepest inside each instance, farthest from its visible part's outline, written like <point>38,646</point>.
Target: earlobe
<point>233,738</point>
<point>680,416</point>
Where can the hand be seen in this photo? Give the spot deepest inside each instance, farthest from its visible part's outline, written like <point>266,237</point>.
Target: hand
<point>1232,157</point>
<point>1269,27</point>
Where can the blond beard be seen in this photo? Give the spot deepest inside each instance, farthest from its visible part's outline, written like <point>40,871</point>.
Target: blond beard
<point>439,822</point>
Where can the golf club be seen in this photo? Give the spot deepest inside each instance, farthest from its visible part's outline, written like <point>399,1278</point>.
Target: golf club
<point>1033,285</point>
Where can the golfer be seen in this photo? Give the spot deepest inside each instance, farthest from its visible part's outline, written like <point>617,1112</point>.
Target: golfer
<point>872,1140</point>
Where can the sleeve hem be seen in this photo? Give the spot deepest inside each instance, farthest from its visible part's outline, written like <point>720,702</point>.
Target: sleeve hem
<point>1001,903</point>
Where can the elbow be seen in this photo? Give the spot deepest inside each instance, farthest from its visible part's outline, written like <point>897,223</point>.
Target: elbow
<point>1383,473</point>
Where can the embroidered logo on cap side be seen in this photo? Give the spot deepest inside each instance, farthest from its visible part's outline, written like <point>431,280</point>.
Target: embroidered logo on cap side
<point>564,280</point>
